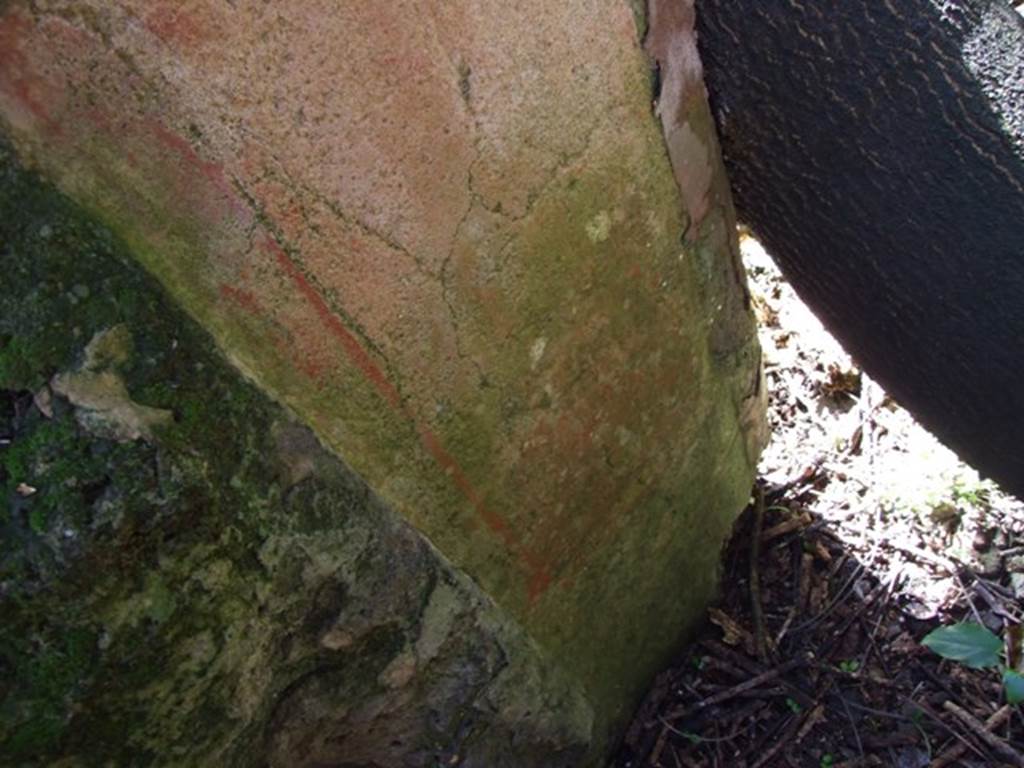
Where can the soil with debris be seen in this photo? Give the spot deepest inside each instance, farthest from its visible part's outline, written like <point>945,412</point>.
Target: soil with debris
<point>863,535</point>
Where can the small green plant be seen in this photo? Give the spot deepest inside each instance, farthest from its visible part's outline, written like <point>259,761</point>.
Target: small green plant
<point>794,706</point>
<point>970,491</point>
<point>827,760</point>
<point>975,646</point>
<point>849,666</point>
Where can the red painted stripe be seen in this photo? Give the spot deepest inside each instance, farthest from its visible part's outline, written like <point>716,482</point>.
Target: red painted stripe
<point>211,171</point>
<point>540,577</point>
<point>359,356</point>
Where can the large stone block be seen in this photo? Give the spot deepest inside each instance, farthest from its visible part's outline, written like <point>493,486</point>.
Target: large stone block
<point>449,238</point>
<point>188,578</point>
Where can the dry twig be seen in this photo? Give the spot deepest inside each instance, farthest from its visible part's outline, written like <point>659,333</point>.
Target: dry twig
<point>755,574</point>
<point>978,729</point>
<point>788,525</point>
<point>955,752</point>
<point>736,690</point>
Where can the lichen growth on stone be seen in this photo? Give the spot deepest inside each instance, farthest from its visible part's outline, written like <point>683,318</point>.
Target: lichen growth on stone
<point>98,391</point>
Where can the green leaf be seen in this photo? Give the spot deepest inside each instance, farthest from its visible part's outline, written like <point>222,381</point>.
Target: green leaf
<point>970,644</point>
<point>1013,682</point>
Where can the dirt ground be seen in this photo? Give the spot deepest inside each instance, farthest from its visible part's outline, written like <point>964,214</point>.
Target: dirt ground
<point>863,535</point>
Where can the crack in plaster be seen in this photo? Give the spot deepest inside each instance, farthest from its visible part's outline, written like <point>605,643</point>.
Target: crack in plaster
<point>300,186</point>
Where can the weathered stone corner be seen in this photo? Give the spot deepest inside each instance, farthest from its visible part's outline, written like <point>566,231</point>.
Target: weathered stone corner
<point>216,588</point>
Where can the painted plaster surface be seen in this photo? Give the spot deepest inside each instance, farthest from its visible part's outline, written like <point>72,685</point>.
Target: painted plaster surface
<point>449,237</point>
